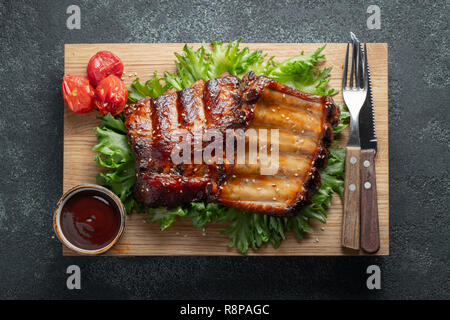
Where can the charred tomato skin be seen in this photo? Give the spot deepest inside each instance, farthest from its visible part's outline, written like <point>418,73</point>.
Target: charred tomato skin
<point>111,95</point>
<point>102,65</point>
<point>78,93</point>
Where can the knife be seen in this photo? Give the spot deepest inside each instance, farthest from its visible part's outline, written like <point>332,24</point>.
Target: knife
<point>370,234</point>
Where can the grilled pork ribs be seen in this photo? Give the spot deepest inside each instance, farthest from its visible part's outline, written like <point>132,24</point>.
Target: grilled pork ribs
<point>304,123</point>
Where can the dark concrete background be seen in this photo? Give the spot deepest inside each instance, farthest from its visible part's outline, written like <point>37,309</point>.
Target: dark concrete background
<point>33,34</point>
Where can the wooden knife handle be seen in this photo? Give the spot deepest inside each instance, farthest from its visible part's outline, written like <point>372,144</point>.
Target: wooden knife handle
<point>350,219</point>
<point>370,233</point>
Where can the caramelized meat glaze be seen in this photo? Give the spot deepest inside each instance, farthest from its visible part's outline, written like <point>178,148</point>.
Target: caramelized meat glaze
<point>304,124</point>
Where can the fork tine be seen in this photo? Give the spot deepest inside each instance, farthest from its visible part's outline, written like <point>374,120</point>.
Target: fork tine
<point>352,66</point>
<point>344,73</point>
<point>362,66</point>
<point>358,65</point>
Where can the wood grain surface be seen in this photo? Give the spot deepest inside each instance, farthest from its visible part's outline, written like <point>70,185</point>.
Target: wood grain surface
<point>350,217</point>
<point>370,234</point>
<point>142,238</point>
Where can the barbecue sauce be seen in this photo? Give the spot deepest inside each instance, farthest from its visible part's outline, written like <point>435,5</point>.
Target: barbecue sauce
<point>90,220</point>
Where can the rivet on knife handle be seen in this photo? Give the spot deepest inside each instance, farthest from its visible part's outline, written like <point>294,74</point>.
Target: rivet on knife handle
<point>370,234</point>
<point>351,222</point>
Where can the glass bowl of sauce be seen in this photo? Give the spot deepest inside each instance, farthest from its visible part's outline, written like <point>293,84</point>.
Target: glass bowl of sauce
<point>89,219</point>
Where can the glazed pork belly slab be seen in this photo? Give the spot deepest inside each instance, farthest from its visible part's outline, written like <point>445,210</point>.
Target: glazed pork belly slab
<point>304,123</point>
<point>154,126</point>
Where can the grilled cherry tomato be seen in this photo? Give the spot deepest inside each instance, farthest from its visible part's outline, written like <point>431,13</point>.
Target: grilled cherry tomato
<point>111,95</point>
<point>103,64</point>
<point>78,93</point>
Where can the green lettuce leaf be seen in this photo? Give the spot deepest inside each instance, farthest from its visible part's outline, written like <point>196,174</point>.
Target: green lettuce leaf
<point>113,153</point>
<point>165,217</point>
<point>152,88</point>
<point>302,73</point>
<point>230,58</point>
<point>343,120</point>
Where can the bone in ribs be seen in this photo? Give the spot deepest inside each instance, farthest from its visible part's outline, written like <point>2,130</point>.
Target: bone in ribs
<point>304,122</point>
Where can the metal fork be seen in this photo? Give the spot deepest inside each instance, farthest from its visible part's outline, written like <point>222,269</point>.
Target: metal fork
<point>354,97</point>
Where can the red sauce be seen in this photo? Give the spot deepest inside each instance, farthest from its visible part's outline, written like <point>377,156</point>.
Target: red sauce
<point>90,220</point>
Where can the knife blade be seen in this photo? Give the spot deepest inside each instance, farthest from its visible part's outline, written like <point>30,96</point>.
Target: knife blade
<point>370,234</point>
<point>367,133</point>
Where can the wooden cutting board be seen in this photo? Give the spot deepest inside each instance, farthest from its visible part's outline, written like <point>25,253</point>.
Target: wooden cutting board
<point>142,238</point>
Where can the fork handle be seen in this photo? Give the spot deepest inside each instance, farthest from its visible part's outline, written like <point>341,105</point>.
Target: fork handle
<point>370,233</point>
<point>350,219</point>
